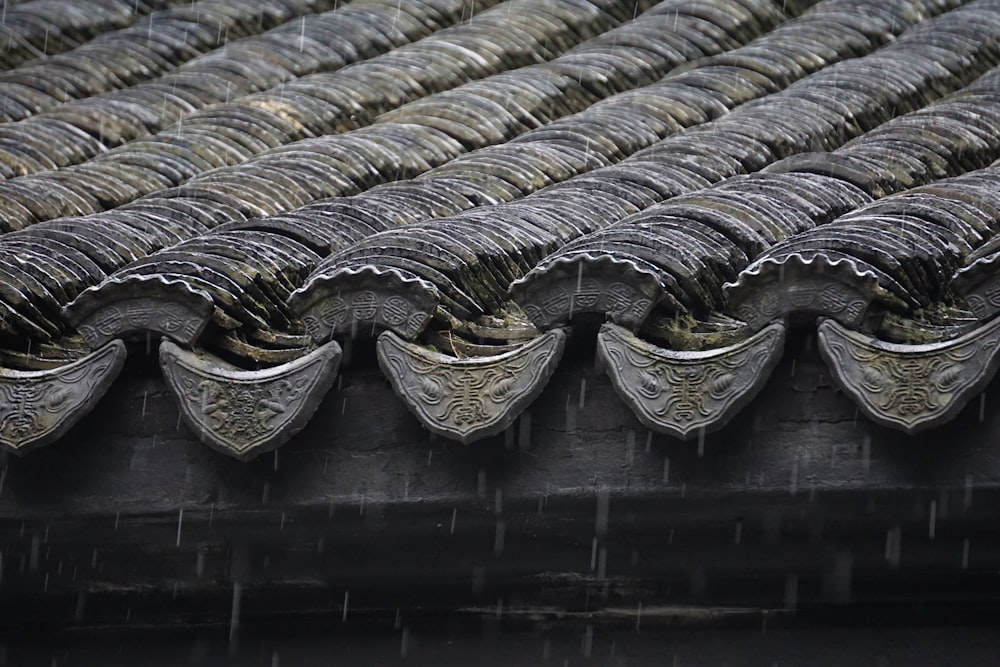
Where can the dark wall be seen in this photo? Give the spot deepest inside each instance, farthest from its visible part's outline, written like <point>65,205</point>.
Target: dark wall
<point>799,504</point>
<point>132,454</point>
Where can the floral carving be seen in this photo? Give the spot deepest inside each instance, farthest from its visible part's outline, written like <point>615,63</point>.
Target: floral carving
<point>245,413</point>
<point>469,399</point>
<point>38,407</point>
<point>683,393</point>
<point>910,387</point>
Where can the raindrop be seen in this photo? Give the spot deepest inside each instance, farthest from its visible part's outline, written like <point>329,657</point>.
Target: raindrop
<point>347,597</point>
<point>145,395</point>
<point>199,564</point>
<point>649,441</point>
<point>281,526</point>
<point>932,521</point>
<point>965,554</point>
<point>583,394</point>
<point>81,601</point>
<point>404,643</point>
<point>499,537</point>
<point>593,555</point>
<point>36,545</point>
<point>454,517</point>
<point>738,533</point>
<point>276,460</point>
<point>117,516</point>
<point>866,454</point>
<point>587,644</point>
<point>982,407</point>
<point>893,545</point>
<point>478,579</point>
<point>524,431</point>
<point>275,660</point>
<point>603,509</point>
<point>180,522</point>
<point>234,618</point>
<point>791,592</point>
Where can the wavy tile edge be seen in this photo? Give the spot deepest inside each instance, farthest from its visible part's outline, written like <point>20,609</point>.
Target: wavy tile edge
<point>587,283</point>
<point>771,289</point>
<point>116,308</point>
<point>351,301</point>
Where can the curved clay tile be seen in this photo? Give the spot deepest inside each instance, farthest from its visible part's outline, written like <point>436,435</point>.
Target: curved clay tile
<point>242,191</point>
<point>204,138</point>
<point>39,28</point>
<point>149,48</point>
<point>246,413</point>
<point>743,233</point>
<point>491,176</point>
<point>251,68</point>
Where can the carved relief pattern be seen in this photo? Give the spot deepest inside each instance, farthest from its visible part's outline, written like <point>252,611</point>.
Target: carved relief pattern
<point>832,300</point>
<point>586,283</point>
<point>37,407</point>
<point>469,399</point>
<point>684,393</point>
<point>771,290</point>
<point>910,387</point>
<point>244,413</point>
<point>351,313</point>
<point>171,319</point>
<point>979,283</point>
<point>984,299</point>
<point>560,302</point>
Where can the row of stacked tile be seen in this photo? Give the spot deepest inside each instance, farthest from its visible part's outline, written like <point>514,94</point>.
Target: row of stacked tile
<point>469,182</point>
